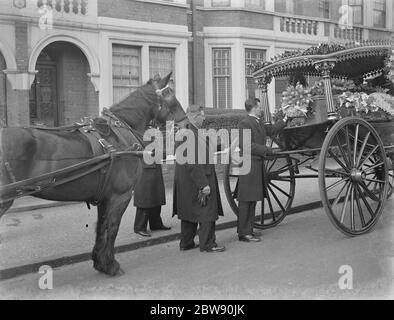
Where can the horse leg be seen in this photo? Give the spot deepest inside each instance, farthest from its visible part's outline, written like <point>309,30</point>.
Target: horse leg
<point>101,236</point>
<point>114,208</point>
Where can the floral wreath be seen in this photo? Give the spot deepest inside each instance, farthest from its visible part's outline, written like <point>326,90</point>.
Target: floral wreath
<point>390,67</point>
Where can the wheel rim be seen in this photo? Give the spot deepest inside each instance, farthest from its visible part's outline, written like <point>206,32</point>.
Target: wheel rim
<point>353,176</point>
<point>280,184</point>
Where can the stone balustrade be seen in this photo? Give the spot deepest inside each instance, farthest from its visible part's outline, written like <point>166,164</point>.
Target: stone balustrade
<point>79,7</point>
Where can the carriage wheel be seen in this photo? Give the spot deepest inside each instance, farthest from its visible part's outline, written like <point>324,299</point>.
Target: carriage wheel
<point>280,184</point>
<point>353,176</point>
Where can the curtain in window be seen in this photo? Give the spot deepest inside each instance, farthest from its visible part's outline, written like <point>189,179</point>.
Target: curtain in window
<point>126,70</point>
<point>251,57</point>
<point>222,93</point>
<point>379,13</point>
<point>162,62</point>
<point>357,11</point>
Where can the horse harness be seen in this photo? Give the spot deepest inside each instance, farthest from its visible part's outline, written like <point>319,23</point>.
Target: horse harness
<point>96,136</point>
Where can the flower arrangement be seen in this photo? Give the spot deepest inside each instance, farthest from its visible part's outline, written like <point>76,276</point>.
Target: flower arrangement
<point>389,67</point>
<point>296,103</point>
<point>382,101</point>
<point>375,105</point>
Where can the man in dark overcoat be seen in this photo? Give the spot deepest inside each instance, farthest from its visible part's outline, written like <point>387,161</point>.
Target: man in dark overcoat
<point>250,186</point>
<point>192,179</point>
<point>149,196</point>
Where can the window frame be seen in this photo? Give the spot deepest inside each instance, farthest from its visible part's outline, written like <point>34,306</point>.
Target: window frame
<point>217,76</point>
<point>357,5</point>
<point>114,77</point>
<point>382,11</point>
<point>173,69</point>
<point>248,72</point>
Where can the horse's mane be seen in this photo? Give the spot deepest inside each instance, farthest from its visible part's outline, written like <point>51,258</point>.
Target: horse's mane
<point>137,107</point>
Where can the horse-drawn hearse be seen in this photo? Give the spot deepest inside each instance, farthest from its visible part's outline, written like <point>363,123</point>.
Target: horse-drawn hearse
<point>97,160</point>
<point>346,141</point>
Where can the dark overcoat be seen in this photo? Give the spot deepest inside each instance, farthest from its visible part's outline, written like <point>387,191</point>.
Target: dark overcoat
<point>250,186</point>
<point>188,181</point>
<point>149,191</point>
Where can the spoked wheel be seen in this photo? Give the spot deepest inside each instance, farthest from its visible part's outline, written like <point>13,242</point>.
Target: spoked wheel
<point>353,176</point>
<point>391,183</point>
<point>279,195</point>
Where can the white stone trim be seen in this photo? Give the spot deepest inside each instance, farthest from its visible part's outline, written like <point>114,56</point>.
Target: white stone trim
<point>88,52</point>
<point>20,80</point>
<point>9,56</point>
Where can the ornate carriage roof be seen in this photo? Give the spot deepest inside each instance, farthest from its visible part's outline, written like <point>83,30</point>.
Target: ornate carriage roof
<point>348,61</point>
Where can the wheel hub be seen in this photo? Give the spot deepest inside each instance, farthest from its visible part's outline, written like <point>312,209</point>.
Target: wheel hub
<point>357,175</point>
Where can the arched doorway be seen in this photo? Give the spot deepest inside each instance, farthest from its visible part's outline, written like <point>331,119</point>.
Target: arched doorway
<point>3,92</point>
<point>62,92</point>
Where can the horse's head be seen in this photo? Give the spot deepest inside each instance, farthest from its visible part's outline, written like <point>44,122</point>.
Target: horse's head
<point>169,106</point>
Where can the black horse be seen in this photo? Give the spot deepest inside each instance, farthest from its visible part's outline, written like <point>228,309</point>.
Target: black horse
<point>31,152</point>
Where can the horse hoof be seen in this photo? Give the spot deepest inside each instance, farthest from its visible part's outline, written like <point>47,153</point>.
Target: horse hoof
<point>120,272</point>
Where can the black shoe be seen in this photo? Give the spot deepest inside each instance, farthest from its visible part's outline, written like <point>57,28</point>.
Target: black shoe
<point>190,247</point>
<point>161,228</point>
<point>216,249</point>
<point>249,238</point>
<point>256,234</point>
<point>143,233</point>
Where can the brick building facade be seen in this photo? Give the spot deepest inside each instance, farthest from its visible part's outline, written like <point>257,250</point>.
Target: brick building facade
<point>61,60</point>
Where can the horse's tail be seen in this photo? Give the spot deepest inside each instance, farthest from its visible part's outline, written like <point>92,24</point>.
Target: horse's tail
<point>4,179</point>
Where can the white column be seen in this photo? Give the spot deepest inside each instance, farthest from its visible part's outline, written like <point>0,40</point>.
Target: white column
<point>237,74</point>
<point>181,74</point>
<point>145,63</point>
<point>105,56</point>
<point>208,75</point>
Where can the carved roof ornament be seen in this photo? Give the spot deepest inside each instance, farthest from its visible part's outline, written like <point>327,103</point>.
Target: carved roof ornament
<point>350,60</point>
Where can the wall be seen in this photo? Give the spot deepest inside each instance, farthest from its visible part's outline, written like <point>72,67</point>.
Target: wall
<point>143,11</point>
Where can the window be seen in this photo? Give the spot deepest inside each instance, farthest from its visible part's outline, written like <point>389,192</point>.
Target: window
<point>252,56</point>
<point>220,3</point>
<point>162,62</point>
<point>379,13</point>
<point>258,4</point>
<point>357,10</point>
<point>126,70</point>
<point>324,9</point>
<point>222,78</point>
